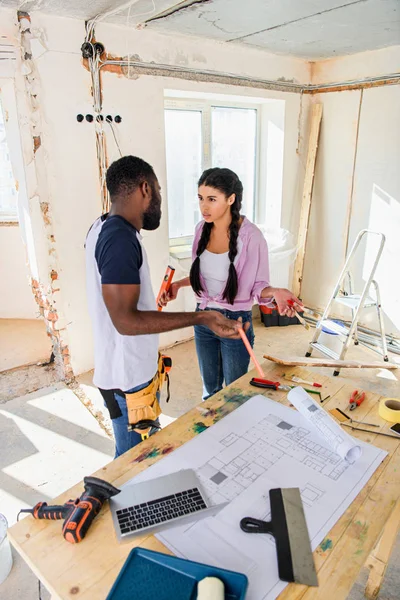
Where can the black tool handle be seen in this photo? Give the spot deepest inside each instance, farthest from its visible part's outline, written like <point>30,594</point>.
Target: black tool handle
<point>250,525</point>
<point>103,490</point>
<point>53,513</point>
<point>269,386</point>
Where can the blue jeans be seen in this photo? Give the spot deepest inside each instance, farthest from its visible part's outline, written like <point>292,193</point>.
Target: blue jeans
<point>124,439</point>
<point>222,359</point>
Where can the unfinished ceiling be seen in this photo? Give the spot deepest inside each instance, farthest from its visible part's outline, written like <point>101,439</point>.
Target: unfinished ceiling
<point>312,29</point>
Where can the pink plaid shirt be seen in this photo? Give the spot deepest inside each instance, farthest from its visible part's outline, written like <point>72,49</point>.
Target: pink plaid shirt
<point>252,267</point>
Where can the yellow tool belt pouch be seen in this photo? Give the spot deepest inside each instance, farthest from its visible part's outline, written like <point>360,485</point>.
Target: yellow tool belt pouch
<point>143,406</point>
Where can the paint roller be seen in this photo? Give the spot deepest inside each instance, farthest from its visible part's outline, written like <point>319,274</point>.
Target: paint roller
<point>210,588</point>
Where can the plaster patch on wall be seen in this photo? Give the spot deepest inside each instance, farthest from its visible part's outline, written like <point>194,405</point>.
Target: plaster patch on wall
<point>42,287</point>
<point>44,207</point>
<point>37,142</point>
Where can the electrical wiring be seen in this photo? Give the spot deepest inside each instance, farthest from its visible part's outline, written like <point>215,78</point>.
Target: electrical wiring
<point>92,22</point>
<point>115,137</point>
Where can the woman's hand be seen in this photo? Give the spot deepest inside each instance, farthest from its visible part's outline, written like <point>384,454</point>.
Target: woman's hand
<point>173,291</point>
<point>287,302</point>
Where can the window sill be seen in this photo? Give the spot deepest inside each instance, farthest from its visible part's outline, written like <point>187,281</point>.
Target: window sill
<point>181,252</point>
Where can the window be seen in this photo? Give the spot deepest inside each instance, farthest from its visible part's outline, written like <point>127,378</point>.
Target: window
<point>8,192</point>
<point>234,139</point>
<point>200,135</point>
<point>243,134</point>
<point>184,163</point>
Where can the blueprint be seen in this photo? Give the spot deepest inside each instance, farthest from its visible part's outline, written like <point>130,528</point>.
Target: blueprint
<point>260,446</point>
<point>339,440</point>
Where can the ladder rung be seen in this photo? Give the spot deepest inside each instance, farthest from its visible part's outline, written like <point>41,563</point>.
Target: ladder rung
<point>325,350</point>
<point>354,300</point>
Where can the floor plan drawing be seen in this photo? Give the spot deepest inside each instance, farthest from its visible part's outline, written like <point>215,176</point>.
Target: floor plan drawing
<point>260,446</point>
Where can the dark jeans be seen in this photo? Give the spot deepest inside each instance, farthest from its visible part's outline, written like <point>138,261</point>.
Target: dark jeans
<point>124,439</point>
<point>222,360</point>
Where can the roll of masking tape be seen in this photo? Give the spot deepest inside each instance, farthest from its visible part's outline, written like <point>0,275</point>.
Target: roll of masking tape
<point>389,409</point>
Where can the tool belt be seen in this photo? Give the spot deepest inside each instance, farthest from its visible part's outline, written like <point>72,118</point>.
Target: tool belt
<point>143,406</point>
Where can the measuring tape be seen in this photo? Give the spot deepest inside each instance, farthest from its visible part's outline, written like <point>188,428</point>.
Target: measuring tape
<point>389,409</point>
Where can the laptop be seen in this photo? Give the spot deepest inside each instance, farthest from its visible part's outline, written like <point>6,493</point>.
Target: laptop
<point>160,503</point>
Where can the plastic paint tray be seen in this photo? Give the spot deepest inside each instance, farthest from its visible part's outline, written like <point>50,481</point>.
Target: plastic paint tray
<point>148,575</point>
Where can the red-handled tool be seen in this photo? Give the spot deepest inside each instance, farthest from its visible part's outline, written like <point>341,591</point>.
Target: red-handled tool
<point>356,399</point>
<point>272,385</point>
<point>260,381</point>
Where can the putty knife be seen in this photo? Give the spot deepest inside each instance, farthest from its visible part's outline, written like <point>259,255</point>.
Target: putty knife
<point>289,528</point>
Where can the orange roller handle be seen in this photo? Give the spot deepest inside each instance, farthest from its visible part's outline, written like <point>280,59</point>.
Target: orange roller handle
<point>246,342</point>
<point>166,284</point>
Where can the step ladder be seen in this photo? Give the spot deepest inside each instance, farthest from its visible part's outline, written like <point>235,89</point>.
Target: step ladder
<point>355,302</point>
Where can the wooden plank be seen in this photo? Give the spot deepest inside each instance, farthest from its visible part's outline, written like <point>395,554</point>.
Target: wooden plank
<point>336,566</point>
<point>88,570</point>
<point>379,557</point>
<point>316,115</point>
<point>296,361</point>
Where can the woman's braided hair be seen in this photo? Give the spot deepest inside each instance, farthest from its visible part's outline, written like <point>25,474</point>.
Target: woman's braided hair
<point>227,182</point>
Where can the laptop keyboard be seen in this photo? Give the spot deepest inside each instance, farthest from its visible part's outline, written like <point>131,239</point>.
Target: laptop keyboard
<point>161,510</point>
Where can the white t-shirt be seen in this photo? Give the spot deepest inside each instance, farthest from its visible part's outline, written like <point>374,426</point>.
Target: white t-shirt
<point>121,361</point>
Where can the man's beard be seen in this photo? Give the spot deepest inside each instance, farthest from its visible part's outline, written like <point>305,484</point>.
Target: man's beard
<point>152,216</point>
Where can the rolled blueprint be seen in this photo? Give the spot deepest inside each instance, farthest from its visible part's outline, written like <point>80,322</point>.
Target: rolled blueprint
<point>341,442</point>
<point>210,588</point>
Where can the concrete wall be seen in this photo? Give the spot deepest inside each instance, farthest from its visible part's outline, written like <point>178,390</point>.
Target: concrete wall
<point>16,301</point>
<point>68,147</point>
<point>357,183</point>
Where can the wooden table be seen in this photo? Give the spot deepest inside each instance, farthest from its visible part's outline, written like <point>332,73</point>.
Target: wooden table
<point>88,570</point>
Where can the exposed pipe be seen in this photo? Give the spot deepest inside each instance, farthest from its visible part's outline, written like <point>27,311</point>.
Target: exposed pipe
<point>140,67</point>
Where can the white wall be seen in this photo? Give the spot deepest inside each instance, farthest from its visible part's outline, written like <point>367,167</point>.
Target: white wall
<point>16,300</point>
<point>69,146</point>
<point>374,159</point>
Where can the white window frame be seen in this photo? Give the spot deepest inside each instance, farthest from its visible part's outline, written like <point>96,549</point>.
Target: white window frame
<point>5,215</point>
<point>205,107</point>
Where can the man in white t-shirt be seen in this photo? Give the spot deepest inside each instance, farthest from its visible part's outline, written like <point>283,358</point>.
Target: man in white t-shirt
<point>121,301</point>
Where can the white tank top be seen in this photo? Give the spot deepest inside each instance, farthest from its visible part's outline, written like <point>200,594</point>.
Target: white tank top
<point>214,269</point>
<point>120,361</point>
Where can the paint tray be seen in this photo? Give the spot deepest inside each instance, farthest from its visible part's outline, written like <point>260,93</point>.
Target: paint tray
<point>148,575</point>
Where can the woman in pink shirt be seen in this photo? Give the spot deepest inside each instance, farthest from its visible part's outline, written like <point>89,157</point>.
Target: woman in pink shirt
<point>230,272</point>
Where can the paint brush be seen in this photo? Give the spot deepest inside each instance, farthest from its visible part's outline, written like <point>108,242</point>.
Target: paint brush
<point>300,318</point>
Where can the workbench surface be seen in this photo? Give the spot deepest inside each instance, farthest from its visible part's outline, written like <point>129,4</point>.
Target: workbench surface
<point>87,571</point>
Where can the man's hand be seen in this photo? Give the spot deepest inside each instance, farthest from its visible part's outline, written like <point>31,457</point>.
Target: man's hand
<point>121,302</point>
<point>221,326</point>
<point>286,302</point>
